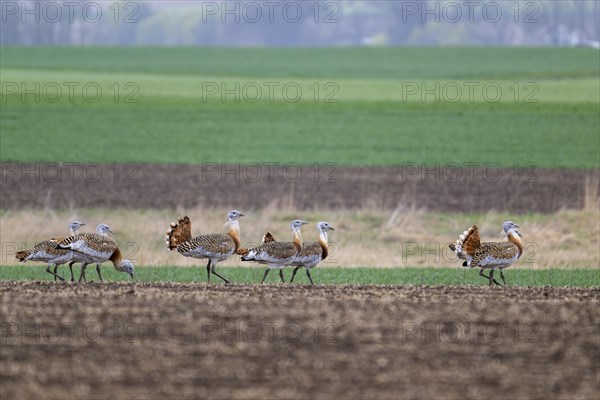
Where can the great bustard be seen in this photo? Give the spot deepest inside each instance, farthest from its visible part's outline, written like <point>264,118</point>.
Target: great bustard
<point>313,253</point>
<point>101,229</point>
<point>216,247</point>
<point>489,255</point>
<point>47,252</point>
<point>96,248</point>
<point>276,254</point>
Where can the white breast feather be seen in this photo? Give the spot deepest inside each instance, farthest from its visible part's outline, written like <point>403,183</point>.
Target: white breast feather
<point>307,261</point>
<point>490,261</point>
<point>98,256</point>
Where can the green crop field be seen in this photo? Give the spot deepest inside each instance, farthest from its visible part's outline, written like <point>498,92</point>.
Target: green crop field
<point>369,63</point>
<point>327,275</point>
<point>184,105</point>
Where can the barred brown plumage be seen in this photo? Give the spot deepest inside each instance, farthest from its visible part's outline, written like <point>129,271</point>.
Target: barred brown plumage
<point>215,247</point>
<point>46,251</point>
<point>179,232</point>
<point>95,241</point>
<point>268,238</point>
<point>277,254</point>
<point>489,255</point>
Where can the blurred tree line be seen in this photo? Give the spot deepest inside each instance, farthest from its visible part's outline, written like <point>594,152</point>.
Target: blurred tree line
<point>301,23</point>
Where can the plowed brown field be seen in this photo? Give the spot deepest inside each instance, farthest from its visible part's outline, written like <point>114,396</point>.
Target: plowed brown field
<point>451,188</point>
<point>157,340</point>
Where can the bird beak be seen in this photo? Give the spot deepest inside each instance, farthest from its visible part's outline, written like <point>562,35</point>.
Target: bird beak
<point>304,223</point>
<point>331,227</point>
<point>517,226</point>
<point>82,224</point>
<point>132,276</point>
<point>242,215</point>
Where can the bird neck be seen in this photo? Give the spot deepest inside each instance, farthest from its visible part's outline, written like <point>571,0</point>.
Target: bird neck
<point>117,258</point>
<point>118,261</point>
<point>297,239</point>
<point>515,239</point>
<point>72,232</point>
<point>324,245</point>
<point>234,233</point>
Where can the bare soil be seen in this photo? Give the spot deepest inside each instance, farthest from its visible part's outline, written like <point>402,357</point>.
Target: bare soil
<point>328,187</point>
<point>158,340</point>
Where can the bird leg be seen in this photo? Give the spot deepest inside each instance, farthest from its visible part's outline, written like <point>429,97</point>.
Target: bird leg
<point>492,278</point>
<point>55,269</point>
<point>54,273</point>
<point>294,273</point>
<point>281,275</point>
<point>265,275</point>
<point>71,269</point>
<point>98,271</point>
<point>82,273</point>
<point>487,277</point>
<point>208,270</point>
<point>309,277</point>
<point>212,269</point>
<point>502,276</point>
<point>483,275</point>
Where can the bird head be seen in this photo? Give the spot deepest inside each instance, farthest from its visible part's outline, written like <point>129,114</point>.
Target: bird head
<point>75,225</point>
<point>297,224</point>
<point>234,215</point>
<point>103,229</point>
<point>509,226</point>
<point>324,227</point>
<point>127,267</point>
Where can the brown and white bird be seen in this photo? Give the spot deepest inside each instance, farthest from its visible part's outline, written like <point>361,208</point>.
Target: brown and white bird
<point>96,248</point>
<point>46,251</point>
<point>312,253</point>
<point>489,255</point>
<point>215,247</point>
<point>276,255</point>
